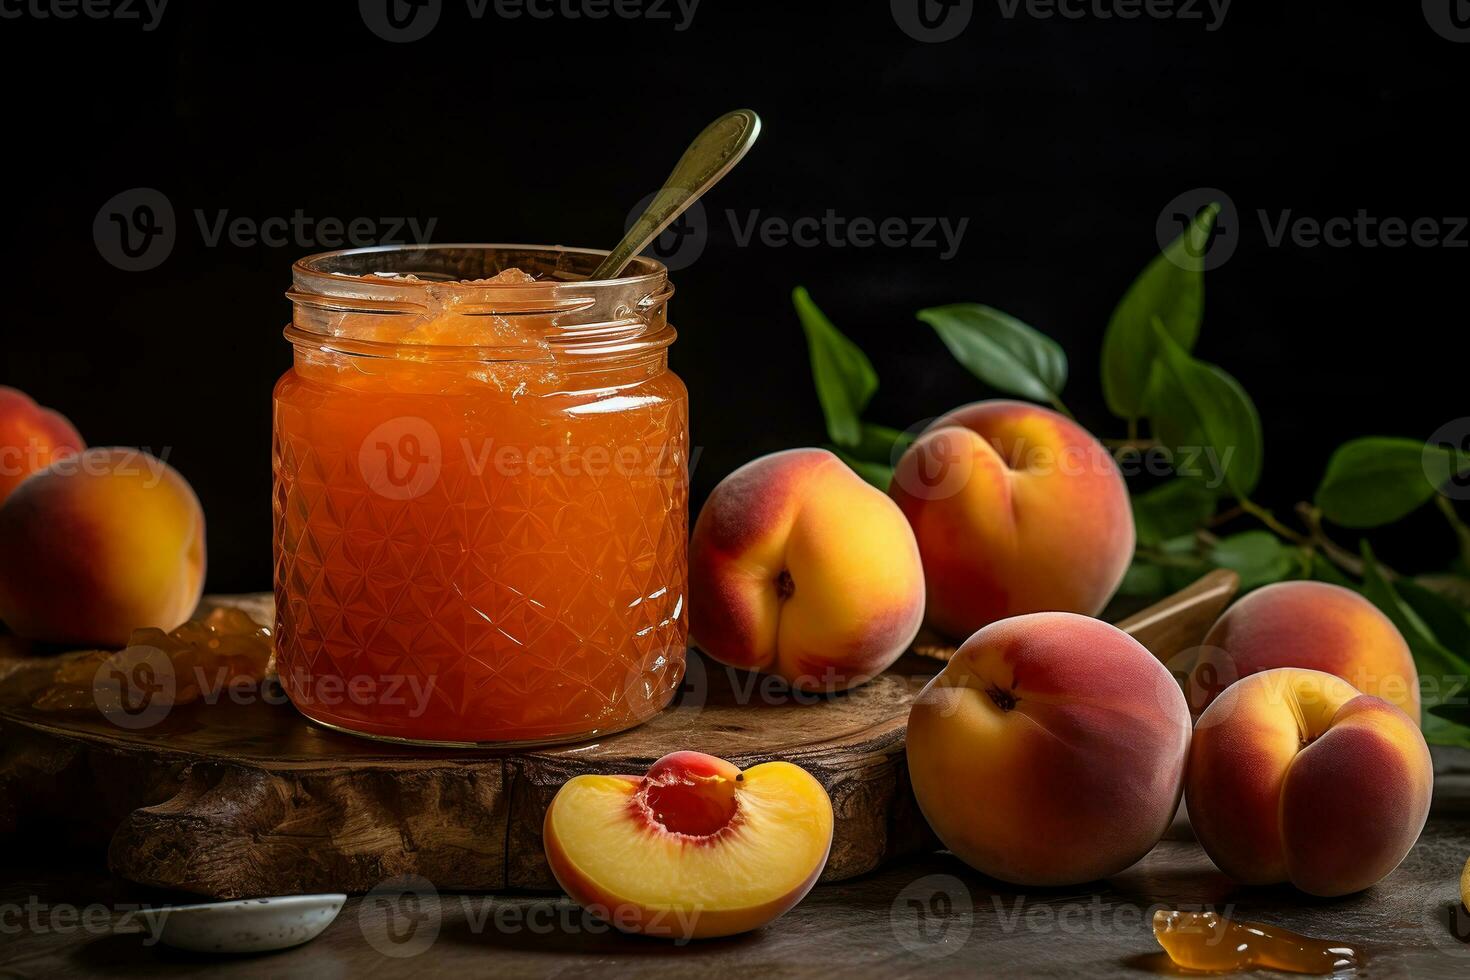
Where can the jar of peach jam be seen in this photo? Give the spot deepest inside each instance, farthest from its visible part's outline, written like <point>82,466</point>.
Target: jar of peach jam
<point>481,495</point>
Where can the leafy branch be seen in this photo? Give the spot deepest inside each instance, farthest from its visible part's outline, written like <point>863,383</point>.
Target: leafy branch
<point>1196,421</point>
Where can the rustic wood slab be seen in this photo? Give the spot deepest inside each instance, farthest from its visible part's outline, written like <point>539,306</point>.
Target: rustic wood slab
<point>241,799</point>
<point>924,918</point>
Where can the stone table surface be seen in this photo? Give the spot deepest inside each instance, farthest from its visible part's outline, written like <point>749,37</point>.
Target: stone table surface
<point>929,917</point>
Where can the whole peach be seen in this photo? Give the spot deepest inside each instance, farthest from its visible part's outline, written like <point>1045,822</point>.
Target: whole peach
<point>97,545</point>
<point>1050,750</point>
<point>1017,509</point>
<point>800,569</point>
<point>31,437</point>
<point>1311,625</point>
<point>1295,775</point>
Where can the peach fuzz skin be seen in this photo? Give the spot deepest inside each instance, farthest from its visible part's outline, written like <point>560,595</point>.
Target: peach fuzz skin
<point>692,850</point>
<point>800,569</point>
<point>1050,750</point>
<point>1296,776</point>
<point>1016,509</point>
<point>97,545</point>
<point>1314,626</point>
<point>31,438</point>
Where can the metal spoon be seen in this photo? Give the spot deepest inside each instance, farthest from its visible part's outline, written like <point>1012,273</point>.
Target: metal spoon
<point>712,154</point>
<point>253,925</point>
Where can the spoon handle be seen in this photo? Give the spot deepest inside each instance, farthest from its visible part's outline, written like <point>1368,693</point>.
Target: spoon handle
<point>708,158</point>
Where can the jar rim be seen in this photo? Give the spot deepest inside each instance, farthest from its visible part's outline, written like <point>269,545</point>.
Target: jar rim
<point>574,315</point>
<point>314,272</point>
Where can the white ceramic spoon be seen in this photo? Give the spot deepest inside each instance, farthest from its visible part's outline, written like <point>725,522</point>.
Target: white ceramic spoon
<point>252,925</point>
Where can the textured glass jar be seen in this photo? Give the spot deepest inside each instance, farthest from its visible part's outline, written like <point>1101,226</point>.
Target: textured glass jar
<point>481,496</point>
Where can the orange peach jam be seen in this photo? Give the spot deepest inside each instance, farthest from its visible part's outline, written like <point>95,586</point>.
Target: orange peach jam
<point>198,659</point>
<point>1209,942</point>
<point>481,496</point>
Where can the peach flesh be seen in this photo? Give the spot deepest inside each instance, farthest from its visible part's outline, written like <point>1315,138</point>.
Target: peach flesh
<point>694,849</point>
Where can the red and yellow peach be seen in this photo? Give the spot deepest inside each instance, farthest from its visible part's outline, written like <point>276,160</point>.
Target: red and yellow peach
<point>31,438</point>
<point>1050,750</point>
<point>694,849</point>
<point>1296,776</point>
<point>1313,626</point>
<point>800,569</point>
<point>99,544</point>
<point>1016,509</point>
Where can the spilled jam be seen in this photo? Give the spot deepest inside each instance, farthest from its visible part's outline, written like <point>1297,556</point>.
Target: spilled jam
<point>196,660</point>
<point>1207,941</point>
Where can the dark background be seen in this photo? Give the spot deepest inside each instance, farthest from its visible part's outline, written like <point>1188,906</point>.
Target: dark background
<point>1060,140</point>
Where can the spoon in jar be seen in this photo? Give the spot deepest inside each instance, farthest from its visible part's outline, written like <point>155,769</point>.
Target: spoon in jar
<point>711,156</point>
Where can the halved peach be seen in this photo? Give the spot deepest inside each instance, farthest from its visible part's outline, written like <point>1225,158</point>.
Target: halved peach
<point>694,849</point>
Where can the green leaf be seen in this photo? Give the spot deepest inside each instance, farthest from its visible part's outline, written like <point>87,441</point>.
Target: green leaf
<point>1164,569</point>
<point>1375,481</point>
<point>1145,580</point>
<point>1442,673</point>
<point>881,444</point>
<point>1455,588</point>
<point>1000,350</point>
<point>1205,418</point>
<point>1323,570</point>
<point>1433,659</point>
<point>1171,509</point>
<point>879,475</point>
<point>1445,724</point>
<point>1445,617</point>
<point>1171,290</point>
<point>844,376</point>
<point>1259,557</point>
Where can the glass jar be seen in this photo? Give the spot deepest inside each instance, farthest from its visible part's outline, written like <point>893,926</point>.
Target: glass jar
<point>481,495</point>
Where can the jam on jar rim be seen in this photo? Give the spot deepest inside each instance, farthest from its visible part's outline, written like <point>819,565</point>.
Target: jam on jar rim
<point>560,316</point>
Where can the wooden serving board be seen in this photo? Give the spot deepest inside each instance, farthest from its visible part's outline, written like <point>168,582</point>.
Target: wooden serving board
<point>236,800</point>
